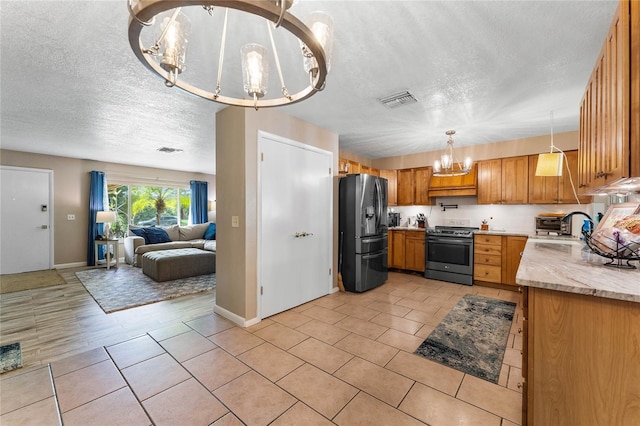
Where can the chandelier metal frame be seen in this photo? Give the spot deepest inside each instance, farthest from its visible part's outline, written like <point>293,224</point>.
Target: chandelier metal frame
<point>143,12</point>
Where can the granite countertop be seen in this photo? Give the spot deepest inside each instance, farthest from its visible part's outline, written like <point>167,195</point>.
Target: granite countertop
<point>568,265</point>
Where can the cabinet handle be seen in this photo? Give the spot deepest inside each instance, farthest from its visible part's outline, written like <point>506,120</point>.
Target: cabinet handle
<point>520,288</point>
<point>519,385</point>
<point>582,185</point>
<point>520,331</point>
<point>521,253</point>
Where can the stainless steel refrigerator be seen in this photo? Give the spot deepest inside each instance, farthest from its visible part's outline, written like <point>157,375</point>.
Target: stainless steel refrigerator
<point>363,232</point>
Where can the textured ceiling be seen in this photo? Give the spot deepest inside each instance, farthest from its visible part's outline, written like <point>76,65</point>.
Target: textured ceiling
<point>491,70</point>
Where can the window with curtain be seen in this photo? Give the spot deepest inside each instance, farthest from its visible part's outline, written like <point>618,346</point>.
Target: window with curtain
<point>146,205</point>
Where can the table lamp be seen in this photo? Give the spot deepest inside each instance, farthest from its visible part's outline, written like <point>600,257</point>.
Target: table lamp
<point>106,217</point>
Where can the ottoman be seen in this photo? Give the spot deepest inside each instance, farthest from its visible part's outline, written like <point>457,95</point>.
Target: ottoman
<point>165,265</point>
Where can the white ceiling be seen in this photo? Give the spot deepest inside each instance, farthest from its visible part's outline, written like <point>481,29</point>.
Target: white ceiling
<point>491,70</point>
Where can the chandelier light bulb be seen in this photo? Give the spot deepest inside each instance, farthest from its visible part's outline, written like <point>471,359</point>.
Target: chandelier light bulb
<point>321,26</point>
<point>255,68</point>
<point>172,40</point>
<point>446,161</point>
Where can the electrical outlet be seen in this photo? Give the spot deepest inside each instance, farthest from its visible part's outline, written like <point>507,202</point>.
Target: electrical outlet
<point>71,217</point>
<point>235,222</point>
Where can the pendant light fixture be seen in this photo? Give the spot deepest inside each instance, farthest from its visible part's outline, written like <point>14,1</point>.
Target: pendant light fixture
<point>550,164</point>
<point>448,164</point>
<point>167,56</point>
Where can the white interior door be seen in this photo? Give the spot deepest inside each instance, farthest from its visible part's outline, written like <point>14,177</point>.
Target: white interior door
<point>26,211</point>
<point>296,222</point>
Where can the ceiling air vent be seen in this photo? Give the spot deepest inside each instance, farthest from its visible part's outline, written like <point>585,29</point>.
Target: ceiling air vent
<point>168,150</point>
<point>398,99</point>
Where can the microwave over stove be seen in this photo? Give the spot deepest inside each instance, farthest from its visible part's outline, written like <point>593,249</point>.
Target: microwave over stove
<point>553,224</point>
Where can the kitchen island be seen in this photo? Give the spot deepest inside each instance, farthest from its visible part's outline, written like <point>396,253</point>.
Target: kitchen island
<point>581,336</point>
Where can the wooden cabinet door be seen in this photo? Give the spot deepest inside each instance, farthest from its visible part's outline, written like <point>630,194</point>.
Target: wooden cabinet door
<point>375,172</point>
<point>542,189</point>
<point>515,180</point>
<point>565,184</point>
<point>422,177</point>
<point>616,93</point>
<point>512,252</point>
<point>392,186</point>
<point>397,249</point>
<point>354,167</point>
<point>406,187</point>
<point>490,181</point>
<point>414,251</point>
<point>365,169</point>
<point>606,152</point>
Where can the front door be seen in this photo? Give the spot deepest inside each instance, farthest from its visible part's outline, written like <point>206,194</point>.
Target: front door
<point>26,204</point>
<point>296,224</point>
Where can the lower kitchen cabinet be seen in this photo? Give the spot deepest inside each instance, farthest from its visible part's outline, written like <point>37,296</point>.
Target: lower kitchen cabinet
<point>581,359</point>
<point>396,249</point>
<point>406,250</point>
<point>496,258</point>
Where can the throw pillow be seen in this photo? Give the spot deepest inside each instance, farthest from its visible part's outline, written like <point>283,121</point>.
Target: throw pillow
<point>140,233</point>
<point>210,233</point>
<point>156,235</point>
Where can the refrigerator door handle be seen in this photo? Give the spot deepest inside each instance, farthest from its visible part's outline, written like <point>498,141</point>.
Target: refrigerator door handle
<point>378,205</point>
<point>373,240</point>
<point>373,255</point>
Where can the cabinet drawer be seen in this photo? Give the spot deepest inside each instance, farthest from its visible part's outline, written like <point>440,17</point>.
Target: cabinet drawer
<point>487,259</point>
<point>480,249</point>
<point>487,273</point>
<point>494,240</point>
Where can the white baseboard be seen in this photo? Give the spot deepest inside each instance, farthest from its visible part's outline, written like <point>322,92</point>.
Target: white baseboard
<point>236,319</point>
<point>70,265</point>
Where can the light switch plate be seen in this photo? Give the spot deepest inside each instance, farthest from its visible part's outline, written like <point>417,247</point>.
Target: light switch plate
<point>235,222</point>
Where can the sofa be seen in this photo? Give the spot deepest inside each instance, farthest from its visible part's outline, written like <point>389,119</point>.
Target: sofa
<point>143,240</point>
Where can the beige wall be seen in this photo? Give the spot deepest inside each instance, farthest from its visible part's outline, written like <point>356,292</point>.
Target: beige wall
<point>526,146</point>
<point>71,194</point>
<point>237,173</point>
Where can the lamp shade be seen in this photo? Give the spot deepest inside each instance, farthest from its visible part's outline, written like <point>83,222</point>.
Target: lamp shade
<point>549,164</point>
<point>106,217</point>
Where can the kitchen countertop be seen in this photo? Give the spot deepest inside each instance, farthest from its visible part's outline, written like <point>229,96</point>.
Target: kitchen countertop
<point>406,228</point>
<point>495,232</point>
<point>568,265</point>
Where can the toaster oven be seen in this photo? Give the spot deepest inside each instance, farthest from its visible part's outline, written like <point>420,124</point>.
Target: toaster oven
<point>553,224</point>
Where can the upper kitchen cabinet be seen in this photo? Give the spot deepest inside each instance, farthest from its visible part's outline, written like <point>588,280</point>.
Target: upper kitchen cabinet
<point>552,189</point>
<point>413,187</point>
<point>504,181</point>
<point>392,186</point>
<point>453,186</point>
<point>422,196</point>
<point>610,108</point>
<point>406,187</point>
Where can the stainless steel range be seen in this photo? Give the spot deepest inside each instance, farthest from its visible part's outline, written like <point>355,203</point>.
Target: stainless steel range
<point>449,254</point>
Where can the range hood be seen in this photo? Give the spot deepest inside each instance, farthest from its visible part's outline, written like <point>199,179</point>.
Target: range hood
<point>621,186</point>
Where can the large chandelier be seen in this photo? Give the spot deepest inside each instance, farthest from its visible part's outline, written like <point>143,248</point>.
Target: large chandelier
<point>448,165</point>
<point>166,54</point>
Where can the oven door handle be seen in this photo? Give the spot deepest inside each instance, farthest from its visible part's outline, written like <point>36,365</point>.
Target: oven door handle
<point>450,240</point>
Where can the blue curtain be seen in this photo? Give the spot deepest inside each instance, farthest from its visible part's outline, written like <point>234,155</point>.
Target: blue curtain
<point>97,195</point>
<point>199,194</point>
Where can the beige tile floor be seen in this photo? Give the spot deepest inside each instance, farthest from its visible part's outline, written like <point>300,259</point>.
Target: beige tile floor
<point>342,359</point>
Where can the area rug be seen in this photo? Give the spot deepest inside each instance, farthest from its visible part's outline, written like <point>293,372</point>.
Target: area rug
<point>10,357</point>
<point>30,280</point>
<point>472,338</point>
<point>126,287</point>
